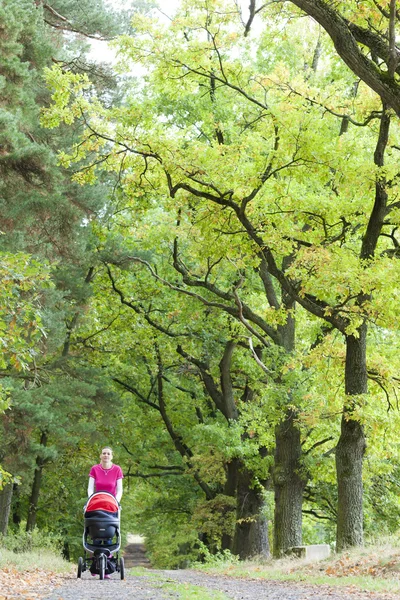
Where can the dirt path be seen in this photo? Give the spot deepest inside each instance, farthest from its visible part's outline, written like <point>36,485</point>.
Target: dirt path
<point>135,553</point>
<point>151,584</point>
<point>162,585</point>
<point>252,589</point>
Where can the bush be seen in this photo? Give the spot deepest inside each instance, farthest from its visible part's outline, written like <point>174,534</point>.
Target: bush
<point>26,541</point>
<point>223,558</point>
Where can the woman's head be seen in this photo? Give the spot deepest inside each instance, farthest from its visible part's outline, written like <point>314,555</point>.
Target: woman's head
<point>106,454</point>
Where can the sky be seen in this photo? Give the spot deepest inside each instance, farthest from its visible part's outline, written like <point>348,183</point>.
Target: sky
<point>100,50</point>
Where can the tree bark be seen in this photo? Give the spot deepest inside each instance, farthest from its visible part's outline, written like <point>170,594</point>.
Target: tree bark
<point>230,488</point>
<point>5,505</point>
<point>33,499</point>
<point>351,447</point>
<point>288,485</point>
<point>37,481</point>
<point>16,507</point>
<point>251,532</point>
<point>288,482</point>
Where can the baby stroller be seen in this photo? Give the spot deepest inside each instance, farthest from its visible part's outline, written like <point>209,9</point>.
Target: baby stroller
<point>101,536</point>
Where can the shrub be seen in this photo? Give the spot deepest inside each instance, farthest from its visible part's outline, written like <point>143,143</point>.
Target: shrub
<point>26,541</point>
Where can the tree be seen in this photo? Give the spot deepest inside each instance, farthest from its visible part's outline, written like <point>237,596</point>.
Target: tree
<point>23,282</point>
<point>296,202</point>
<point>42,237</point>
<point>351,31</point>
<point>282,333</point>
<point>177,351</point>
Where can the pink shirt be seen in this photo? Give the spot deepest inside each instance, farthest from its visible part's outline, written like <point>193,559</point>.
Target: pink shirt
<point>105,480</point>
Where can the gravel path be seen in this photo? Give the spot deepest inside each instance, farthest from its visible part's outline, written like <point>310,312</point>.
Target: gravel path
<point>252,589</point>
<point>132,588</point>
<point>156,585</point>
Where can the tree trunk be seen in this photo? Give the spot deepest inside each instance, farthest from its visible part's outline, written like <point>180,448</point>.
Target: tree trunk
<point>251,532</point>
<point>16,507</point>
<point>288,483</point>
<point>351,447</point>
<point>37,480</point>
<point>33,499</point>
<point>230,490</point>
<point>65,551</point>
<point>5,505</point>
<point>288,486</point>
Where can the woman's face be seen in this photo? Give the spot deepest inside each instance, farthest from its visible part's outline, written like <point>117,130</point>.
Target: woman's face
<point>106,454</point>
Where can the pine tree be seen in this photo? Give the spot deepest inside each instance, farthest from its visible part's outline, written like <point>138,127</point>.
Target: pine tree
<point>46,216</point>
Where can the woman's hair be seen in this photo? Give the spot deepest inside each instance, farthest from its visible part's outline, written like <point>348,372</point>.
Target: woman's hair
<point>106,448</point>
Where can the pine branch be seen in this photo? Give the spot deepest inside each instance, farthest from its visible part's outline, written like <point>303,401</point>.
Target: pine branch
<point>66,25</point>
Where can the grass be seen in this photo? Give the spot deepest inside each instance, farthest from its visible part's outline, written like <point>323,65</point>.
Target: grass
<point>34,559</point>
<point>375,568</point>
<point>138,571</point>
<point>183,591</point>
<point>187,591</point>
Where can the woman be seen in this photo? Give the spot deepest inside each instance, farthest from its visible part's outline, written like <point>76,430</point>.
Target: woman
<point>106,477</point>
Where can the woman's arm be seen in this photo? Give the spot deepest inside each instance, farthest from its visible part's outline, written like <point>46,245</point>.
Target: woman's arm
<point>118,495</point>
<point>90,489</point>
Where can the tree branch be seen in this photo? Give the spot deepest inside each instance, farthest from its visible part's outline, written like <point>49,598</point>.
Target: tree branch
<point>136,392</point>
<point>346,46</point>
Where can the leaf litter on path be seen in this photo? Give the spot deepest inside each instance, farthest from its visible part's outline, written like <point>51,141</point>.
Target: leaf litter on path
<point>28,585</point>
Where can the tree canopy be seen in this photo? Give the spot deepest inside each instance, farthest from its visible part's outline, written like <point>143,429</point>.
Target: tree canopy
<point>229,269</point>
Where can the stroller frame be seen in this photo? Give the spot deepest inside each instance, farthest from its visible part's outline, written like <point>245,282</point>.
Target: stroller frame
<point>101,556</point>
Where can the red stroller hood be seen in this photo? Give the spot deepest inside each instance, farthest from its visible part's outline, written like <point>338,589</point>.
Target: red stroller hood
<point>102,501</point>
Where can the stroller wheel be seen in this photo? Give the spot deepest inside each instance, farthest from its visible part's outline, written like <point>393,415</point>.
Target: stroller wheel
<point>102,565</point>
<point>122,567</point>
<point>80,567</point>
